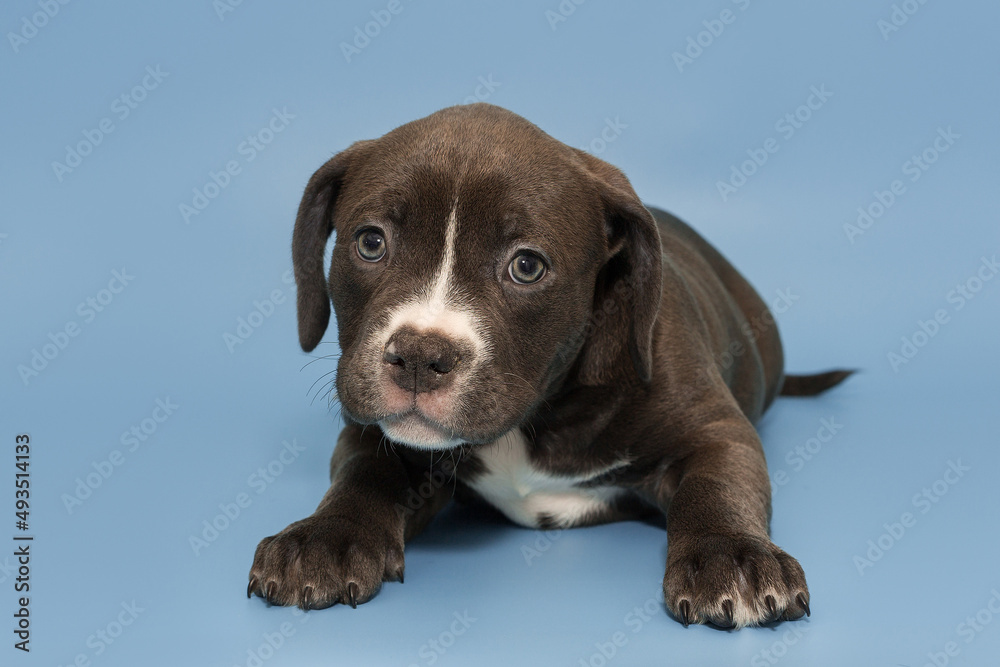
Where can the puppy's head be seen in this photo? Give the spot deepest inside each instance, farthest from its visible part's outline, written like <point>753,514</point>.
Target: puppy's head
<point>478,265</point>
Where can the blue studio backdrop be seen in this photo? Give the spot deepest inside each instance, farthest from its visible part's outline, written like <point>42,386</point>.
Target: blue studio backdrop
<point>154,397</point>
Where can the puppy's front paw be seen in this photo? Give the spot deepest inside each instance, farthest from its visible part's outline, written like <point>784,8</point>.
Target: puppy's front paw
<point>733,581</point>
<point>319,561</point>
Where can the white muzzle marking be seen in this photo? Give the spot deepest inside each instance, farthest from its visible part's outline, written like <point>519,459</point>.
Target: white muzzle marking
<point>437,308</point>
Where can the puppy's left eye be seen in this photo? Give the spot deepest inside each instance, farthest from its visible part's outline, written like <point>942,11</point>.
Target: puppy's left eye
<point>526,268</point>
<point>371,245</point>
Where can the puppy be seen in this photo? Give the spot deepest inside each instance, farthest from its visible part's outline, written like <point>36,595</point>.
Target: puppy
<point>506,303</point>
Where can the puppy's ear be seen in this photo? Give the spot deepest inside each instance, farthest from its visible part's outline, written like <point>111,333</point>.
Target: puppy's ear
<point>313,226</point>
<point>627,294</point>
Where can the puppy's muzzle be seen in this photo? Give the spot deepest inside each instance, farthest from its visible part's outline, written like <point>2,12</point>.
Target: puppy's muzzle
<point>421,362</point>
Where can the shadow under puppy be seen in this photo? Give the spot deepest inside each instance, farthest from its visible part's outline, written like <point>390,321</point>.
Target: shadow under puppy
<point>507,299</point>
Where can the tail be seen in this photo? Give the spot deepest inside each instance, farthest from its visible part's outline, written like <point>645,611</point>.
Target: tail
<point>810,385</point>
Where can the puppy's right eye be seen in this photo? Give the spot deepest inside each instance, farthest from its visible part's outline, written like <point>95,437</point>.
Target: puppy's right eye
<point>371,245</point>
<point>526,268</point>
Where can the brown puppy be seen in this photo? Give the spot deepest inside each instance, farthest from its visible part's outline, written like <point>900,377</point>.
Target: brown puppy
<point>507,299</point>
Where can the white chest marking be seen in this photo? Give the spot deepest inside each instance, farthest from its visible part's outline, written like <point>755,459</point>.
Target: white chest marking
<point>522,492</point>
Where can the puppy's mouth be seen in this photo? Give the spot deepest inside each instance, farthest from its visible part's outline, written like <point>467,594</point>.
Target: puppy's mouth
<point>415,429</point>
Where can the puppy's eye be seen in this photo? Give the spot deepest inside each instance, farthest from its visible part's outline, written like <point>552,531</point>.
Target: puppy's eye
<point>526,268</point>
<point>371,245</point>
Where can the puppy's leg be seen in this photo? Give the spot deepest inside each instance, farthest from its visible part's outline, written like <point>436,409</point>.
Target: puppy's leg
<point>354,540</point>
<point>721,564</point>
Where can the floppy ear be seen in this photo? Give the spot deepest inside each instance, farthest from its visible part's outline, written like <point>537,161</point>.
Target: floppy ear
<point>627,294</point>
<point>313,226</point>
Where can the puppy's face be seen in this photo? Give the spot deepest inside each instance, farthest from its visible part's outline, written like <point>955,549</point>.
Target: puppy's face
<point>469,250</point>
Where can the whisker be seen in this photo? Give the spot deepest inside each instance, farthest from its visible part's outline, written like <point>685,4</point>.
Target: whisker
<point>335,357</point>
<point>526,383</point>
<point>320,378</point>
<point>325,391</point>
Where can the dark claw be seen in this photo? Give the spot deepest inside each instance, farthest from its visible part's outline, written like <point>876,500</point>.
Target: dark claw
<point>685,609</point>
<point>803,602</point>
<point>727,609</point>
<point>307,597</point>
<point>352,595</point>
<point>772,608</point>
<point>272,589</point>
<point>399,575</point>
<point>252,585</point>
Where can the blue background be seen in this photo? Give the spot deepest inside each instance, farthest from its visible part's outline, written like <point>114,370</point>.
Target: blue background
<point>546,599</point>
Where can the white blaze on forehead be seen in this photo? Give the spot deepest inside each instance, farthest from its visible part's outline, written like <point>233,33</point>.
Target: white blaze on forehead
<point>439,292</point>
<point>431,309</point>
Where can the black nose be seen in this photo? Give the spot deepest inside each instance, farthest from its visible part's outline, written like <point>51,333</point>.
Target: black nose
<point>420,362</point>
